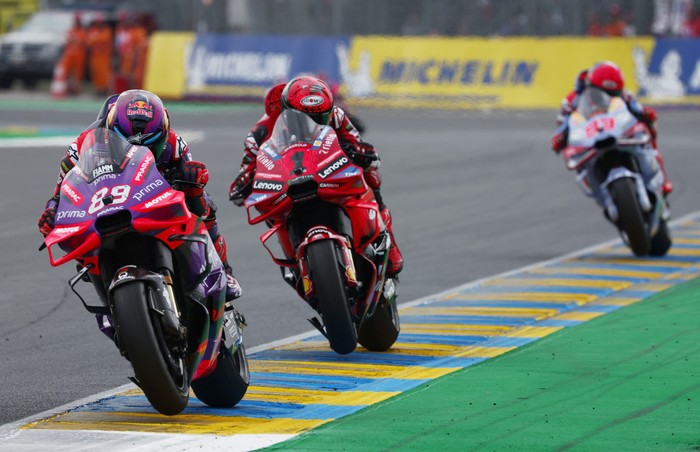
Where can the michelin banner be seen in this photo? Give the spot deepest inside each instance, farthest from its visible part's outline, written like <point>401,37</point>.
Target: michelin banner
<point>474,72</point>
<point>425,72</point>
<point>671,73</point>
<point>243,65</point>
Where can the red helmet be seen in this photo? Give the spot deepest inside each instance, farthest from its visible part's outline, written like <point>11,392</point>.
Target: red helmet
<point>607,76</point>
<point>309,95</point>
<point>273,99</point>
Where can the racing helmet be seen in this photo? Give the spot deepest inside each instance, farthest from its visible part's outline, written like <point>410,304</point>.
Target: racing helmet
<point>607,76</point>
<point>273,99</point>
<point>140,118</point>
<point>309,95</point>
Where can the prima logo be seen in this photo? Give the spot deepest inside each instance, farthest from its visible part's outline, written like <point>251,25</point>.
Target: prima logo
<point>148,189</point>
<point>69,214</point>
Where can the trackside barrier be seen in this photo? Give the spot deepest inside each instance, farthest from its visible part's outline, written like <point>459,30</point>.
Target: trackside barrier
<point>420,72</point>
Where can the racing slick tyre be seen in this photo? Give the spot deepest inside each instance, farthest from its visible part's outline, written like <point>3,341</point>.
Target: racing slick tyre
<point>228,383</point>
<point>631,219</point>
<point>160,371</point>
<point>661,242</point>
<point>324,265</point>
<point>379,332</point>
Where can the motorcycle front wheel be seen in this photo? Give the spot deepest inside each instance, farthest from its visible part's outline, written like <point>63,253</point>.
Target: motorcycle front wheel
<point>631,219</point>
<point>160,372</point>
<point>324,264</point>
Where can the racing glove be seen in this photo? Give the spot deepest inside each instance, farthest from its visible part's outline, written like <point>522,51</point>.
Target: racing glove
<point>362,154</point>
<point>47,218</point>
<point>559,141</point>
<point>241,188</point>
<point>648,117</point>
<point>648,114</point>
<point>197,174</point>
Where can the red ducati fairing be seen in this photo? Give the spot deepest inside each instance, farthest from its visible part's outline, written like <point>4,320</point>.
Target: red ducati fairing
<point>323,214</point>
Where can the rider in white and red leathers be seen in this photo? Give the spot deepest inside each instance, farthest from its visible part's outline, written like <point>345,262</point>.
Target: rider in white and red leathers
<point>326,113</point>
<point>608,77</point>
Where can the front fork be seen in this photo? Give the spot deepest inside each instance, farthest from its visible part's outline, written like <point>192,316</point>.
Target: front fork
<point>346,261</point>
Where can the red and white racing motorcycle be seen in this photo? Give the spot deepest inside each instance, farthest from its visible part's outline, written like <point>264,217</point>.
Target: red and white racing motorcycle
<point>613,154</point>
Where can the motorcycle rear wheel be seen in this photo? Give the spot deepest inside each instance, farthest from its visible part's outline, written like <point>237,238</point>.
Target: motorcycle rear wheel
<point>379,332</point>
<point>631,219</point>
<point>161,374</point>
<point>661,242</point>
<point>333,305</point>
<point>228,383</point>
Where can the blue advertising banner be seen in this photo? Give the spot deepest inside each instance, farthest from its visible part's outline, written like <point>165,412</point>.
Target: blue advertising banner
<point>246,65</point>
<point>672,72</point>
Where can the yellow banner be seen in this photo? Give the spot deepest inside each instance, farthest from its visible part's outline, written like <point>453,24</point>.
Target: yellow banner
<point>437,72</point>
<point>165,67</point>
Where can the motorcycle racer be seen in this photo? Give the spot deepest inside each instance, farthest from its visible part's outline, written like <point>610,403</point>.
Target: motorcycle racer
<point>139,117</point>
<point>607,76</point>
<point>313,97</point>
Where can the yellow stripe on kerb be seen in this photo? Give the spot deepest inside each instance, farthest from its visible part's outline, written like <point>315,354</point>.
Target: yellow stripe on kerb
<point>635,261</point>
<point>453,329</point>
<point>683,252</point>
<point>534,331</point>
<point>578,316</point>
<point>543,297</point>
<point>685,241</point>
<point>182,423</point>
<point>482,311</point>
<point>617,301</point>
<point>652,287</point>
<point>418,349</point>
<point>597,272</point>
<point>316,397</point>
<point>597,283</point>
<point>483,352</point>
<point>347,369</point>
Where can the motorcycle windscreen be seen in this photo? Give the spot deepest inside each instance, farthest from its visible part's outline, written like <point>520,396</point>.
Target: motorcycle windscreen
<point>291,127</point>
<point>593,101</point>
<point>103,152</point>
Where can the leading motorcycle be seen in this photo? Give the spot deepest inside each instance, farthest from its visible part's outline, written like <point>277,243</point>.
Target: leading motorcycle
<point>156,273</point>
<point>329,238</point>
<point>614,157</point>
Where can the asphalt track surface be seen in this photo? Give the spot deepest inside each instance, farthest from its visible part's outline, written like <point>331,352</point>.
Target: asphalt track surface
<point>472,193</point>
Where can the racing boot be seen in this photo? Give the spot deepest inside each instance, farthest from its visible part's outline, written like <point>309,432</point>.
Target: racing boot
<point>395,263</point>
<point>667,186</point>
<point>233,289</point>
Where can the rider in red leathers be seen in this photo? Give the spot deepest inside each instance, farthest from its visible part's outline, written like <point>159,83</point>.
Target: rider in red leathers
<point>608,77</point>
<point>323,111</point>
<point>139,117</point>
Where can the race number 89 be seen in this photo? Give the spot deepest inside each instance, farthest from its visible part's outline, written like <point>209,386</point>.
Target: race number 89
<point>120,193</point>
